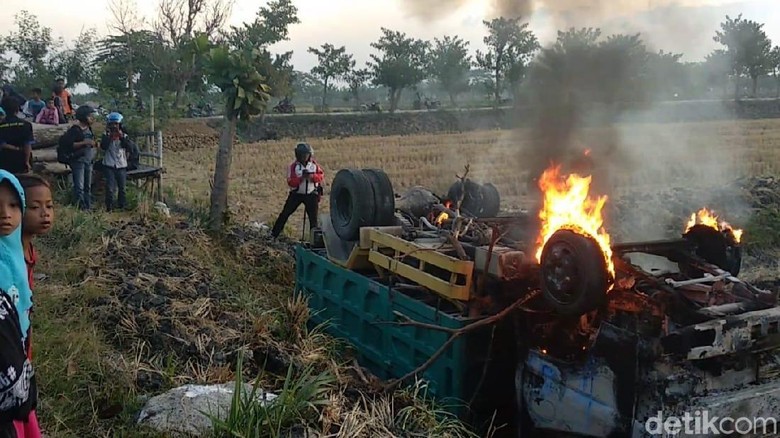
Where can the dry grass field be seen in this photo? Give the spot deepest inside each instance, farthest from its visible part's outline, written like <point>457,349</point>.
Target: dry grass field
<point>708,153</point>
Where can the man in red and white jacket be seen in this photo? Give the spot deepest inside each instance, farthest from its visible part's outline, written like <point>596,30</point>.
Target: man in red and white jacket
<point>304,177</point>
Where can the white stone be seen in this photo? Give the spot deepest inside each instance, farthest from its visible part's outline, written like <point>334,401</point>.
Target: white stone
<point>185,410</point>
<point>162,209</point>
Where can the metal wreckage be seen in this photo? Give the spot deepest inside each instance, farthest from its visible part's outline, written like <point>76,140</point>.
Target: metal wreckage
<point>625,339</point>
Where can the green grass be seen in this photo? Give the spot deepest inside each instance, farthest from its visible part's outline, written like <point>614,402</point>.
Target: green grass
<point>88,376</point>
<point>297,405</point>
<point>763,230</point>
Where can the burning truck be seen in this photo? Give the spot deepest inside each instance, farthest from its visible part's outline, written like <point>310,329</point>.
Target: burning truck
<point>624,339</point>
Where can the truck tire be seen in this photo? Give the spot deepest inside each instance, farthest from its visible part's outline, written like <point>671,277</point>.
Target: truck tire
<point>384,198</point>
<point>491,201</point>
<point>715,247</point>
<point>574,273</point>
<point>472,198</point>
<point>351,203</point>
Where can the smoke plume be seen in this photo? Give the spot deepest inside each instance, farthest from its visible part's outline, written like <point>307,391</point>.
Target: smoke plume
<point>431,10</point>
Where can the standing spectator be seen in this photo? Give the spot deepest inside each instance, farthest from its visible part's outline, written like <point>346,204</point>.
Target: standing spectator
<point>16,139</point>
<point>63,100</point>
<point>37,220</point>
<point>16,289</point>
<point>9,92</point>
<point>118,149</point>
<point>304,179</point>
<point>35,105</point>
<point>49,115</point>
<point>79,140</point>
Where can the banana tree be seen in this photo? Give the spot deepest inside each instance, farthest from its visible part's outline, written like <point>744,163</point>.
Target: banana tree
<point>246,92</point>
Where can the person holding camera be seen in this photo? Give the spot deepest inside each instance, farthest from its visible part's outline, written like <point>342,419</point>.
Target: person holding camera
<point>79,141</point>
<point>119,150</point>
<point>304,178</point>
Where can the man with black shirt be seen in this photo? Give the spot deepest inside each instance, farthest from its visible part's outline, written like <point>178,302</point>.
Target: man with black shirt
<point>16,139</point>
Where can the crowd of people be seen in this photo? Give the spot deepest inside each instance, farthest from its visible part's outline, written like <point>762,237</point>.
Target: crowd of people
<point>55,109</point>
<point>27,211</point>
<point>77,147</point>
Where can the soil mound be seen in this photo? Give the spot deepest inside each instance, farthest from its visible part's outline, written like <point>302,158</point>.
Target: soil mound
<point>167,294</point>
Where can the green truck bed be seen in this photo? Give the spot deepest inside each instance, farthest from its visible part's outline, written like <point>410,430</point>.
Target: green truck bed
<point>361,310</point>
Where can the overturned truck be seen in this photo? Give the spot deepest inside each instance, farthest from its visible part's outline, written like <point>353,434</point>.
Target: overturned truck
<point>571,335</point>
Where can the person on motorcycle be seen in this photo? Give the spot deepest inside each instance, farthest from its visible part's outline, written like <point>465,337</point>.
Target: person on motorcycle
<point>304,178</point>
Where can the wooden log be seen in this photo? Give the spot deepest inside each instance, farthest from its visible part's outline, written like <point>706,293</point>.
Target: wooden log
<point>48,155</point>
<point>47,135</point>
<point>56,169</point>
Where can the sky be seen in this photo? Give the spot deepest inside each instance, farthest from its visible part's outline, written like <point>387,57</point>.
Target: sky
<point>672,25</point>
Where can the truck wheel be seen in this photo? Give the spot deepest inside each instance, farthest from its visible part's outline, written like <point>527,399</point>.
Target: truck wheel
<point>351,203</point>
<point>574,273</point>
<point>715,247</point>
<point>491,201</point>
<point>472,198</point>
<point>384,198</point>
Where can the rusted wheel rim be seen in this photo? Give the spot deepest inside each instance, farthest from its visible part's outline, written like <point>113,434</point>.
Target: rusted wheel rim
<point>560,272</point>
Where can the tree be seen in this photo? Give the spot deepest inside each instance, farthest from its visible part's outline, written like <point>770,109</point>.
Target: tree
<point>41,57</point>
<point>356,79</point>
<point>718,67</point>
<point>121,54</point>
<point>236,73</point>
<point>271,25</point>
<point>774,63</point>
<point>186,25</point>
<point>510,46</point>
<point>450,65</point>
<point>748,48</point>
<point>400,64</point>
<point>127,62</point>
<point>33,44</point>
<point>242,67</point>
<point>333,63</point>
<point>667,73</point>
<point>76,63</point>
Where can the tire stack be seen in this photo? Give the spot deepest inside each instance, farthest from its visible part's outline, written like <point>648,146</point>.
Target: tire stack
<point>479,200</point>
<point>360,198</point>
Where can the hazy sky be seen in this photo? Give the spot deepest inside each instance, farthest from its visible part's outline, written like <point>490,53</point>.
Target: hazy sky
<point>673,25</point>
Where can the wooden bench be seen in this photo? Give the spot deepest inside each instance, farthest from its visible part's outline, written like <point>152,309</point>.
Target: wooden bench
<point>150,169</point>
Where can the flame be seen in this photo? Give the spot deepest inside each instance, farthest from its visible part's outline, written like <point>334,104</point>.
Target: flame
<point>587,152</point>
<point>443,216</point>
<point>710,219</point>
<point>567,205</point>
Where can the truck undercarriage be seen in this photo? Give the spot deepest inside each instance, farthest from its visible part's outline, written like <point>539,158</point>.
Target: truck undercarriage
<point>623,340</point>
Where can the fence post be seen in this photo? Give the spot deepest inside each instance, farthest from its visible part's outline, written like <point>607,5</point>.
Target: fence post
<point>159,142</point>
<point>152,109</point>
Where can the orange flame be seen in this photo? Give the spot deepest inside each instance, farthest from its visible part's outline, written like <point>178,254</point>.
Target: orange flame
<point>443,216</point>
<point>567,205</point>
<point>710,219</point>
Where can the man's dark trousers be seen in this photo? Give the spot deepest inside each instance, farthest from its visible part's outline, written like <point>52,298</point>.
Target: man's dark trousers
<point>294,200</point>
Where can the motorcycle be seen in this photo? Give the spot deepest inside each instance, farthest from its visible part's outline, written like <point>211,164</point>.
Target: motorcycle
<point>284,107</point>
<point>373,107</point>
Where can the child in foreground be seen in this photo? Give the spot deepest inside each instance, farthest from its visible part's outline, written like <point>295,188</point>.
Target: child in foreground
<point>15,284</point>
<point>38,217</point>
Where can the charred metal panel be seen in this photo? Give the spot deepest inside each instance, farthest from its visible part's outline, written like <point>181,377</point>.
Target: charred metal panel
<point>727,335</point>
<point>575,398</point>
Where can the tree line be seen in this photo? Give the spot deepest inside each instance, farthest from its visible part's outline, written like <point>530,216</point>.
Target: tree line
<point>170,56</point>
